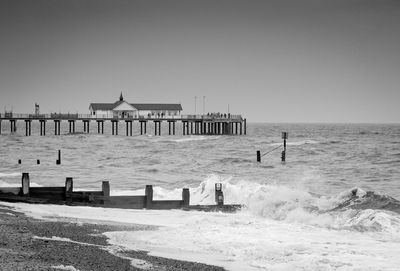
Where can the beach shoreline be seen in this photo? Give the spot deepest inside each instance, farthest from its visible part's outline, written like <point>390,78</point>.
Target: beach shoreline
<point>32,244</point>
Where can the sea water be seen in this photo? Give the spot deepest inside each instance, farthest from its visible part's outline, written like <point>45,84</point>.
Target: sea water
<point>332,206</point>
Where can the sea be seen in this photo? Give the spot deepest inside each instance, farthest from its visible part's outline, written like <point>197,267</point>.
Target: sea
<point>333,205</point>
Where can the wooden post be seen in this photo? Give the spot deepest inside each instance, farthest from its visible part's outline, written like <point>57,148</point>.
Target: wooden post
<point>19,161</point>
<point>245,126</point>
<point>259,156</point>
<point>149,196</point>
<point>186,196</point>
<point>38,161</point>
<point>58,161</point>
<point>105,188</point>
<point>173,128</point>
<point>68,189</point>
<point>25,184</point>
<point>219,196</point>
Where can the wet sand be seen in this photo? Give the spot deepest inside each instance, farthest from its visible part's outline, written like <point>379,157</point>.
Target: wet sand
<point>31,244</point>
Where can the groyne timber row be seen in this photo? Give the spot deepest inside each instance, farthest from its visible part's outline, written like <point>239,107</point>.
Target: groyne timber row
<point>102,198</point>
<point>224,124</point>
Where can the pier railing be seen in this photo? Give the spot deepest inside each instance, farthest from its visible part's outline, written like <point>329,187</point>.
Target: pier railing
<point>76,116</point>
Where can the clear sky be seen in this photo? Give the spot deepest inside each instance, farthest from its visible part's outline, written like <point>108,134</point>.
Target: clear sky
<point>272,61</point>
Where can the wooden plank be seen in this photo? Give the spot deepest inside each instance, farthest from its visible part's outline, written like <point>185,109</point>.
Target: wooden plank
<point>10,190</point>
<point>132,202</point>
<point>167,204</point>
<point>47,189</point>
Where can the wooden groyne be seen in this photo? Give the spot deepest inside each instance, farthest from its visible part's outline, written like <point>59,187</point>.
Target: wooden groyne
<point>210,124</point>
<point>102,198</point>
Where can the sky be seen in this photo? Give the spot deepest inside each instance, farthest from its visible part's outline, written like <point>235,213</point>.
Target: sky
<point>268,60</point>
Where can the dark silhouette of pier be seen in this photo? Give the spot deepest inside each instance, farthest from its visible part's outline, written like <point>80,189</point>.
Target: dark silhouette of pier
<point>210,124</point>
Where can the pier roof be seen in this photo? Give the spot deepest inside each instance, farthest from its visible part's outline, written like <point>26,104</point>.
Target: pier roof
<point>138,106</point>
<point>157,106</point>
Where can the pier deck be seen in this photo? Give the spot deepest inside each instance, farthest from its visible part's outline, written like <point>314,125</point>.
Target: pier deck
<point>221,124</point>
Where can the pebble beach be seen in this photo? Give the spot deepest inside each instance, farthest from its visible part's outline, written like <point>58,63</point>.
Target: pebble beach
<point>31,244</point>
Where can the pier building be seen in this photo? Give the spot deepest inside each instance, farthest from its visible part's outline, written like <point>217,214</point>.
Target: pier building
<point>123,109</point>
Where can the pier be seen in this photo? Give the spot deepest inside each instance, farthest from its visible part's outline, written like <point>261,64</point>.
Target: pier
<point>210,124</point>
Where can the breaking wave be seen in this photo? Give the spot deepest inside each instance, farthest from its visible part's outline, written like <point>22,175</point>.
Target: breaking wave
<point>353,209</point>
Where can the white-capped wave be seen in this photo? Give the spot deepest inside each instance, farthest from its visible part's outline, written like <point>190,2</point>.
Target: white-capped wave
<point>295,143</point>
<point>195,138</point>
<point>12,174</point>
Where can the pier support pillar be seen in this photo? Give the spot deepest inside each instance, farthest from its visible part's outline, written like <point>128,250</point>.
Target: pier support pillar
<point>245,126</point>
<point>71,126</point>
<point>0,127</point>
<point>128,127</point>
<point>114,124</point>
<point>100,128</point>
<point>57,129</point>
<point>28,129</point>
<point>143,127</point>
<point>86,126</point>
<point>13,126</point>
<point>42,127</point>
<point>157,123</point>
<point>184,123</point>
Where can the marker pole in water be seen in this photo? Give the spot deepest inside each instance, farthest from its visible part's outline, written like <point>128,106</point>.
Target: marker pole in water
<point>259,156</point>
<point>284,137</point>
<point>58,162</point>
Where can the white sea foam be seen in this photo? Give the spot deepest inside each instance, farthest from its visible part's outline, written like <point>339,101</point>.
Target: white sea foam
<point>281,228</point>
<point>195,138</point>
<point>295,143</point>
<point>65,267</point>
<point>12,174</point>
<point>241,241</point>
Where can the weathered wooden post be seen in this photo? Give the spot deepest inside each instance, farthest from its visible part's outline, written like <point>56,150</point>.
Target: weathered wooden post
<point>58,161</point>
<point>105,188</point>
<point>186,196</point>
<point>68,189</point>
<point>25,184</point>
<point>219,196</point>
<point>149,196</point>
<point>38,161</point>
<point>259,156</point>
<point>284,137</point>
<point>19,161</point>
